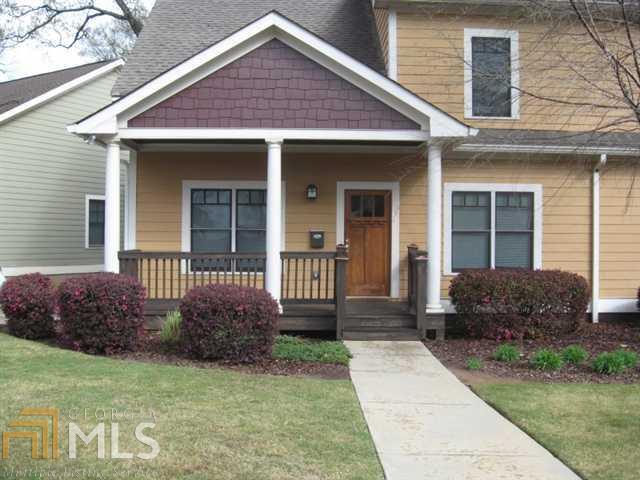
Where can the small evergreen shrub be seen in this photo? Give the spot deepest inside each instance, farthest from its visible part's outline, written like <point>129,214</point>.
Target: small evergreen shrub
<point>304,350</point>
<point>28,302</point>
<point>609,363</point>
<point>474,363</point>
<point>547,360</point>
<point>102,312</point>
<point>516,303</point>
<point>227,322</point>
<point>574,354</point>
<point>170,333</point>
<point>506,353</point>
<point>628,357</point>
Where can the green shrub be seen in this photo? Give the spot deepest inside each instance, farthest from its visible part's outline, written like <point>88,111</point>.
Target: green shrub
<point>170,333</point>
<point>574,354</point>
<point>609,363</point>
<point>629,358</point>
<point>303,350</point>
<point>506,353</point>
<point>474,363</point>
<point>547,360</point>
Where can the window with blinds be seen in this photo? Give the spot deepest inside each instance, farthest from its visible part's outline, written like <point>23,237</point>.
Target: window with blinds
<point>492,230</point>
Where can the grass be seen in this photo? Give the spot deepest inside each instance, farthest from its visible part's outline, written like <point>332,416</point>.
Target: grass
<point>592,428</point>
<point>210,423</point>
<point>305,350</point>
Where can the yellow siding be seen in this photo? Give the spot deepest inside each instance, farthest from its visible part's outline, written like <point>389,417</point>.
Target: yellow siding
<point>566,216</point>
<point>430,62</point>
<point>160,178</point>
<point>566,182</point>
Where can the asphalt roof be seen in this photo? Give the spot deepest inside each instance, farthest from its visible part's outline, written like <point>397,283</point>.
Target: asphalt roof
<point>178,29</point>
<point>551,138</point>
<point>16,92</point>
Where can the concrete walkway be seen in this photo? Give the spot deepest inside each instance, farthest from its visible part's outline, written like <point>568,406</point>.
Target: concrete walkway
<point>427,425</point>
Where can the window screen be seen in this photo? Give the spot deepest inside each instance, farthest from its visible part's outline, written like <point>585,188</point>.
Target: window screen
<point>96,223</point>
<point>491,81</point>
<point>514,230</point>
<point>471,230</point>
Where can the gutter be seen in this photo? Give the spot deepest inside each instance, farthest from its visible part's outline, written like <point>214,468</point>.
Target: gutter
<point>595,249</point>
<point>559,150</point>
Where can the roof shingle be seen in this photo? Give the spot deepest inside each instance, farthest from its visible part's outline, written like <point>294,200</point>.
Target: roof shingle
<point>178,29</point>
<point>16,92</point>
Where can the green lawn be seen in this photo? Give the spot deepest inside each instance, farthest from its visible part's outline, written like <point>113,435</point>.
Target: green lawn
<point>593,428</point>
<point>210,423</point>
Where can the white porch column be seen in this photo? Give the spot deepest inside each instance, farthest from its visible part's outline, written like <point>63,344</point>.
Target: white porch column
<point>434,227</point>
<point>274,217</point>
<point>112,208</point>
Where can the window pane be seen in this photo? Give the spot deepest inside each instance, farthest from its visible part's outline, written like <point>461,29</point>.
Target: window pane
<point>211,216</point>
<point>252,216</point>
<point>197,196</point>
<point>472,211</point>
<point>514,250</point>
<point>491,84</point>
<point>211,241</point>
<point>368,206</point>
<point>244,196</point>
<point>356,205</point>
<point>251,241</point>
<point>379,211</point>
<point>96,223</point>
<point>224,197</point>
<point>470,250</point>
<point>514,211</point>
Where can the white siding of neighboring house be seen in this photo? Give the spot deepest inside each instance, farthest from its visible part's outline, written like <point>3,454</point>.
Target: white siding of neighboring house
<point>45,174</point>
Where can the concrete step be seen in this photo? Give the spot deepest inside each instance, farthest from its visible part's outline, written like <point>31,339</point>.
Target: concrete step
<point>380,333</point>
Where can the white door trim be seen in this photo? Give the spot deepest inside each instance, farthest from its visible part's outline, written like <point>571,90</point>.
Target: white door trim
<point>394,187</point>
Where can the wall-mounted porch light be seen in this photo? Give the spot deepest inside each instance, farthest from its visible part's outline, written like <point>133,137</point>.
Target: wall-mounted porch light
<point>312,192</point>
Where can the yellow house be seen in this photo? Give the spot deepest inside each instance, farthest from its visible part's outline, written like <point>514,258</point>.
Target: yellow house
<point>351,158</point>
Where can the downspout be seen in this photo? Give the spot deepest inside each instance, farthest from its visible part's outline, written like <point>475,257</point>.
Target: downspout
<point>595,248</point>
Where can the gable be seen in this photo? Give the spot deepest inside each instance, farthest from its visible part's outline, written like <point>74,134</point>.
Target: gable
<point>273,86</point>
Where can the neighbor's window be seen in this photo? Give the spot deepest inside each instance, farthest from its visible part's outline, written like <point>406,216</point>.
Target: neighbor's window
<point>493,82</point>
<point>95,222</point>
<point>491,230</point>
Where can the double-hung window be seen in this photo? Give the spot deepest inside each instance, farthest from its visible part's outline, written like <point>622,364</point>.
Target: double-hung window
<point>491,74</point>
<point>495,226</point>
<point>225,219</point>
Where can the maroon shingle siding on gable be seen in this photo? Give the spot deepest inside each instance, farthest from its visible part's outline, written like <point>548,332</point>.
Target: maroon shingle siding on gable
<point>273,86</point>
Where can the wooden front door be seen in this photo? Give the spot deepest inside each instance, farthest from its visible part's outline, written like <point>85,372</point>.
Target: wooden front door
<point>368,234</point>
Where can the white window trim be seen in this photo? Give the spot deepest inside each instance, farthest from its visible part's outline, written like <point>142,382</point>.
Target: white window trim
<point>514,36</point>
<point>87,199</point>
<point>394,187</point>
<point>493,188</point>
<point>188,185</point>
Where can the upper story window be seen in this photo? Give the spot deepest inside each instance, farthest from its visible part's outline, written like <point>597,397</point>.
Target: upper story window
<point>492,226</point>
<point>491,74</point>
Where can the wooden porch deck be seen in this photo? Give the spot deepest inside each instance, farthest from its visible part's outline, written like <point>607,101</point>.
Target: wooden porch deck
<point>313,291</point>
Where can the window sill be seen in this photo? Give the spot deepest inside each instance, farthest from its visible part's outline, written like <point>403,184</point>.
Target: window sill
<point>470,117</point>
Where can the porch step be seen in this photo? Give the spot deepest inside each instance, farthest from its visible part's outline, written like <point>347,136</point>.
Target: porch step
<point>380,333</point>
<point>380,321</point>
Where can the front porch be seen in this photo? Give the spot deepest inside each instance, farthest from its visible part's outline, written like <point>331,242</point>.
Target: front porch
<point>313,290</point>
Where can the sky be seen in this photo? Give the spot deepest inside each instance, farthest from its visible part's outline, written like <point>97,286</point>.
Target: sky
<point>32,58</point>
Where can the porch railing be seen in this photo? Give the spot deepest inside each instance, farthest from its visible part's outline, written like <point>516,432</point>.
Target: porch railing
<point>417,286</point>
<point>307,277</point>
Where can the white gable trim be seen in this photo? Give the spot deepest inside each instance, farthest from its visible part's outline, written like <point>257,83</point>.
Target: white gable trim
<point>59,91</point>
<point>273,25</point>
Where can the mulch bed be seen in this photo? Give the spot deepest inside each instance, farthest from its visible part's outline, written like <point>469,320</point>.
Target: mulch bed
<point>151,351</point>
<point>595,338</point>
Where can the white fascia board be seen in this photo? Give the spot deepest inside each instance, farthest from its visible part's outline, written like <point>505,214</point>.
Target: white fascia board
<point>263,133</point>
<point>273,25</point>
<point>59,91</point>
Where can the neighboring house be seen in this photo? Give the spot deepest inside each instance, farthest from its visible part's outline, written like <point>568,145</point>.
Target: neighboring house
<point>291,126</point>
<point>51,184</point>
